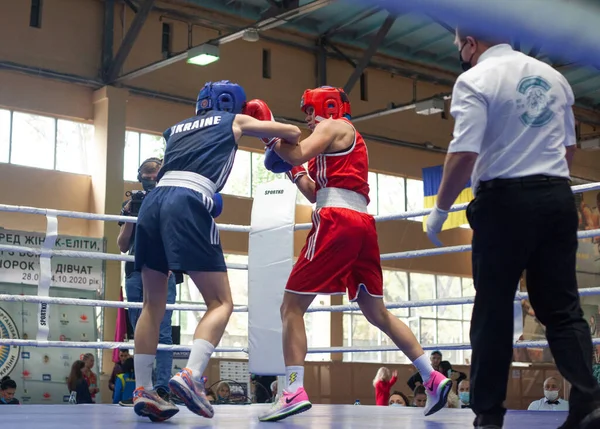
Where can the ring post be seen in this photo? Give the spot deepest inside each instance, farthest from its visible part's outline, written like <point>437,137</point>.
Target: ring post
<point>270,261</point>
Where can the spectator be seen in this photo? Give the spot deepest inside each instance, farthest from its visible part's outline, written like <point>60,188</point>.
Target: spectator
<point>419,397</point>
<point>273,391</point>
<point>89,375</point>
<point>7,391</point>
<point>78,384</point>
<point>383,382</point>
<point>551,400</point>
<point>125,384</point>
<point>398,399</point>
<point>262,387</point>
<point>437,364</point>
<point>464,393</point>
<point>223,392</point>
<point>118,368</point>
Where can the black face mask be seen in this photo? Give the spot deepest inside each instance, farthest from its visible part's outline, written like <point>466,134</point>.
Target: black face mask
<point>148,184</point>
<point>465,65</point>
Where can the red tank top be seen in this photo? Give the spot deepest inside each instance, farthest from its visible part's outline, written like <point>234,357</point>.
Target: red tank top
<point>347,169</point>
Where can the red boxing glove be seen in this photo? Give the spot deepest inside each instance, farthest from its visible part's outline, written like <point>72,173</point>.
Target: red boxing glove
<point>296,172</point>
<point>258,109</point>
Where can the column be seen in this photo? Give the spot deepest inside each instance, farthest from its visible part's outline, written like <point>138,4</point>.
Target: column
<point>106,161</point>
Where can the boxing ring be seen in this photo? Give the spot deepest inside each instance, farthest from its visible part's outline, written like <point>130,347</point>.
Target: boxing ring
<point>236,416</point>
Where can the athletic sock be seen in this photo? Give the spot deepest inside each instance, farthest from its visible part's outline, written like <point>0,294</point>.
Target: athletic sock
<point>143,370</point>
<point>201,352</point>
<point>294,378</point>
<point>424,367</point>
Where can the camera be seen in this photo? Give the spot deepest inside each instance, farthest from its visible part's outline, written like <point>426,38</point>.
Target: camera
<point>136,201</point>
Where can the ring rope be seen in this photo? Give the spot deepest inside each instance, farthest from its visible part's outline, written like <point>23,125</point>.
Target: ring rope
<point>110,304</point>
<point>104,217</point>
<point>462,248</point>
<point>106,345</point>
<point>455,346</point>
<point>520,296</point>
<point>238,266</point>
<point>177,348</point>
<point>91,255</point>
<point>458,207</point>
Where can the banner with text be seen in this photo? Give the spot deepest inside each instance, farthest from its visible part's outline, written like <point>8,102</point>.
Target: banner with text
<point>75,273</point>
<point>40,373</point>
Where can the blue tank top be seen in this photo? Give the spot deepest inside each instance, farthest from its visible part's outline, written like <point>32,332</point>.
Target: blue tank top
<point>202,144</point>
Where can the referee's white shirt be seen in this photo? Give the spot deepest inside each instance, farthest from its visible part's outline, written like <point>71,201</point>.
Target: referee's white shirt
<point>543,405</point>
<point>516,113</point>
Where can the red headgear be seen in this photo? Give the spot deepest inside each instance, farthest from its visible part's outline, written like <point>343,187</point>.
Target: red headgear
<point>328,102</point>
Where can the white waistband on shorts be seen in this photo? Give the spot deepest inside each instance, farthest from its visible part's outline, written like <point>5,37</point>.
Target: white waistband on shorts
<point>190,180</point>
<point>341,198</point>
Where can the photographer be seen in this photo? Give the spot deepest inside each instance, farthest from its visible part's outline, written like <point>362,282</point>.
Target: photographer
<point>133,279</point>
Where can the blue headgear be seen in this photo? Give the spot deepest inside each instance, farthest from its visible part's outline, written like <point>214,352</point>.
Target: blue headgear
<point>223,95</point>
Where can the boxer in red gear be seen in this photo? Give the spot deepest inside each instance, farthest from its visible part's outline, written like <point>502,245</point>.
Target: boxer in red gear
<point>341,254</point>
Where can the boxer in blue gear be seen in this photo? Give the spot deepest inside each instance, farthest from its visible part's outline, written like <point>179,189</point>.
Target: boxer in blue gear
<point>176,232</point>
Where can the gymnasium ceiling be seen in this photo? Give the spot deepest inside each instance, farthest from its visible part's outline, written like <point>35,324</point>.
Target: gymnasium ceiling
<point>415,38</point>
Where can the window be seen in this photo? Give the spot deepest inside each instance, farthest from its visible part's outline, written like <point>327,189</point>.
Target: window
<point>44,142</point>
<point>166,39</point>
<point>373,206</point>
<point>259,173</point>
<point>33,139</point>
<point>414,197</point>
<point>391,194</point>
<point>73,139</point>
<point>138,148</point>
<point>35,15</point>
<point>318,329</point>
<point>363,87</point>
<point>236,332</point>
<point>151,146</point>
<point>422,286</point>
<point>5,125</point>
<point>131,161</point>
<point>431,325</point>
<point>239,180</point>
<point>266,64</point>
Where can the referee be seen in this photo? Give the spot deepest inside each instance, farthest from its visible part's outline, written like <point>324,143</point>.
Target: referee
<point>514,134</point>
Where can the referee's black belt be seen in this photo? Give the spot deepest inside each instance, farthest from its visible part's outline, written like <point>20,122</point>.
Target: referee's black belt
<point>526,181</point>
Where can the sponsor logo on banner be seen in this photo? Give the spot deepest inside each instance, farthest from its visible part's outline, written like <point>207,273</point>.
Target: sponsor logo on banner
<point>66,398</point>
<point>274,192</point>
<point>65,356</point>
<point>25,355</point>
<point>26,375</point>
<point>25,399</point>
<point>84,337</point>
<point>62,338</point>
<point>46,377</point>
<point>64,320</point>
<point>46,359</point>
<point>83,318</point>
<point>43,314</point>
<point>9,355</point>
<point>46,396</point>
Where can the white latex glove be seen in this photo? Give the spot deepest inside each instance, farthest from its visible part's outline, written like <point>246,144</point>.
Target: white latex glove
<point>435,221</point>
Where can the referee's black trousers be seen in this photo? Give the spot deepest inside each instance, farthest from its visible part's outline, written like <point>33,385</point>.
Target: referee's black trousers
<point>526,225</point>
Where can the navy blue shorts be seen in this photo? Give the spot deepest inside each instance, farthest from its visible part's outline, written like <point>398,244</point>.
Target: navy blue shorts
<point>176,232</point>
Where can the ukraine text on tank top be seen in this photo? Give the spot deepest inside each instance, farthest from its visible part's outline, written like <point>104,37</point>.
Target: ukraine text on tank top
<point>347,169</point>
<point>203,144</point>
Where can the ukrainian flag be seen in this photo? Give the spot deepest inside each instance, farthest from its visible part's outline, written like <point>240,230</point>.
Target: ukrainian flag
<point>432,178</point>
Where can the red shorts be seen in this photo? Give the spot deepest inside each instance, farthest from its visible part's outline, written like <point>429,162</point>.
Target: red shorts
<point>341,254</point>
